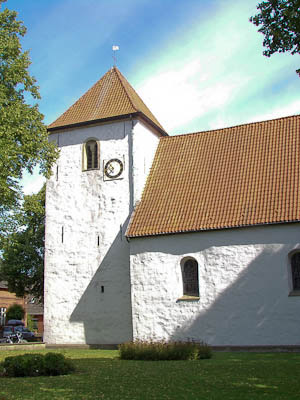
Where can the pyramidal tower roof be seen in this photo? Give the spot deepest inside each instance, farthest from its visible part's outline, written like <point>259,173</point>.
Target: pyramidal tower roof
<point>111,97</point>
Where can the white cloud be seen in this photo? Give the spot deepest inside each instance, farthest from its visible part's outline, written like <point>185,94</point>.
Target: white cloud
<point>32,183</point>
<point>216,68</point>
<point>178,95</point>
<point>290,109</point>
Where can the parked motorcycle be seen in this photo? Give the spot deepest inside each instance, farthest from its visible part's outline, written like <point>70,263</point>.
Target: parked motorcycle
<point>16,337</point>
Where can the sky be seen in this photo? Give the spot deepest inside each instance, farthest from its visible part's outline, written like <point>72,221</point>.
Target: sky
<point>197,64</point>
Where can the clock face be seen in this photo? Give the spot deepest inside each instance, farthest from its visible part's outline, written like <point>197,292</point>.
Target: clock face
<point>113,168</point>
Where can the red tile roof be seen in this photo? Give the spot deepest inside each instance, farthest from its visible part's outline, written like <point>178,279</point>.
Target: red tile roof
<point>239,176</point>
<point>112,96</point>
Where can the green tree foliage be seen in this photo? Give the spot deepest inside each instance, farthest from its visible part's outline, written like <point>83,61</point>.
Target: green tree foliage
<point>15,311</point>
<point>23,250</point>
<point>23,136</point>
<point>30,323</point>
<point>280,23</point>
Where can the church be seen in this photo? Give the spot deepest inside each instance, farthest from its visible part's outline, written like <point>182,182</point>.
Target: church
<point>158,237</point>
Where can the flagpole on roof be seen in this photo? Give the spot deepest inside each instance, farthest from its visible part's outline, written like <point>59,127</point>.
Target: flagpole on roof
<point>114,49</point>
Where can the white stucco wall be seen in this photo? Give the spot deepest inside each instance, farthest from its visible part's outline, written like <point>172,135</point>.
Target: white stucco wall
<point>87,207</point>
<point>244,286</point>
<point>144,144</point>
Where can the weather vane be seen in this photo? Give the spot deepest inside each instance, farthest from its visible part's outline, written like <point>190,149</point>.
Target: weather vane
<point>115,48</point>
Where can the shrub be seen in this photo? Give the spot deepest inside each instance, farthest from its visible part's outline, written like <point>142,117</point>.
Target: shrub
<point>24,365</point>
<point>36,365</point>
<point>2,370</point>
<point>204,351</point>
<point>155,351</point>
<point>15,311</point>
<point>57,364</point>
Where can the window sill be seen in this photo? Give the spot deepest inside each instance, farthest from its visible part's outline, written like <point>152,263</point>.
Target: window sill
<point>90,169</point>
<point>294,293</point>
<point>188,298</point>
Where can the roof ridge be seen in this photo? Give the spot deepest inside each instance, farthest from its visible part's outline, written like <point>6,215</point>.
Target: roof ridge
<point>106,85</point>
<point>146,111</point>
<point>123,86</point>
<point>231,127</point>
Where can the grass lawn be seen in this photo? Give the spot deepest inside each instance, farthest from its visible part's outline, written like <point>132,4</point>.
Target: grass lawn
<point>101,375</point>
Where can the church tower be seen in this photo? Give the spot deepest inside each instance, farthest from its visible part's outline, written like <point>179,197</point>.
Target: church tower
<point>107,141</point>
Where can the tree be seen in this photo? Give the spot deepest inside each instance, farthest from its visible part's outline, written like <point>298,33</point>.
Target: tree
<point>31,325</point>
<point>22,265</point>
<point>23,136</point>
<point>280,23</point>
<point>15,311</point>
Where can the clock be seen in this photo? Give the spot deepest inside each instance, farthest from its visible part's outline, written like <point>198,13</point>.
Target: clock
<point>113,168</point>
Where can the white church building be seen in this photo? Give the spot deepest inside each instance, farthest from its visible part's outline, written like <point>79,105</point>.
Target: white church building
<point>158,237</point>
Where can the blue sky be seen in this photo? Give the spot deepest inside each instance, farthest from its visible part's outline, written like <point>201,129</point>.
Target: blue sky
<point>197,64</point>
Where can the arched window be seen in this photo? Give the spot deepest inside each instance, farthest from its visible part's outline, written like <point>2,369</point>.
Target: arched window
<point>91,155</point>
<point>295,266</point>
<point>190,278</point>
